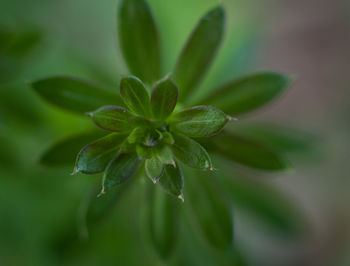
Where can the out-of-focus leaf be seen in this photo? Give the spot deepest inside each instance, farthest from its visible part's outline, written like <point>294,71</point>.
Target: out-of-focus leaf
<point>164,99</point>
<point>139,40</point>
<point>154,168</point>
<point>265,202</point>
<point>119,170</point>
<point>166,155</point>
<point>64,152</point>
<point>246,94</point>
<point>190,152</point>
<point>172,180</point>
<point>74,94</point>
<point>112,118</point>
<point>95,157</point>
<point>18,44</point>
<point>199,121</point>
<point>135,96</point>
<point>247,152</point>
<point>168,138</point>
<point>199,51</point>
<point>160,223</point>
<point>208,209</point>
<point>280,138</point>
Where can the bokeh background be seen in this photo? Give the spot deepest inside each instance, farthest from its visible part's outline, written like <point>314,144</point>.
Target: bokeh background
<point>308,39</point>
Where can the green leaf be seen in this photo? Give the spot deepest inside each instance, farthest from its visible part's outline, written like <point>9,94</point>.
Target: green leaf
<point>112,118</point>
<point>280,138</point>
<point>95,157</point>
<point>65,151</point>
<point>120,170</point>
<point>246,94</point>
<point>143,152</point>
<point>172,181</point>
<point>74,94</point>
<point>199,121</point>
<point>247,152</point>
<point>168,138</point>
<point>166,155</point>
<point>135,96</point>
<point>208,209</point>
<point>199,51</point>
<point>154,168</point>
<point>139,40</point>
<point>137,135</point>
<point>190,152</point>
<point>164,99</point>
<point>266,203</point>
<point>160,221</point>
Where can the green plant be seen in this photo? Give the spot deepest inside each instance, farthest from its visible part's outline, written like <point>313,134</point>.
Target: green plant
<point>156,121</point>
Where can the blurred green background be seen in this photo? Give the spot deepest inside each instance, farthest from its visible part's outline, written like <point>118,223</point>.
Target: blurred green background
<point>308,39</point>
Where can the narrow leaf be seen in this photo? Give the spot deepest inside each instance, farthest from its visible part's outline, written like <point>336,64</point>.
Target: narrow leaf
<point>208,209</point>
<point>139,40</point>
<point>246,94</point>
<point>199,51</point>
<point>112,118</point>
<point>154,168</point>
<point>247,152</point>
<point>172,181</point>
<point>95,157</point>
<point>199,121</point>
<point>135,96</point>
<point>64,152</point>
<point>160,221</point>
<point>74,94</point>
<point>190,152</point>
<point>164,99</point>
<point>119,170</point>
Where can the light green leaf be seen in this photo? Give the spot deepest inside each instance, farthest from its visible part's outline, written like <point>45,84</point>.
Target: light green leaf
<point>112,118</point>
<point>246,94</point>
<point>135,96</point>
<point>168,138</point>
<point>190,152</point>
<point>74,94</point>
<point>208,209</point>
<point>247,152</point>
<point>139,40</point>
<point>120,170</point>
<point>199,51</point>
<point>166,155</point>
<point>154,168</point>
<point>137,135</point>
<point>95,157</point>
<point>65,151</point>
<point>199,121</point>
<point>172,181</point>
<point>164,99</point>
<point>160,221</point>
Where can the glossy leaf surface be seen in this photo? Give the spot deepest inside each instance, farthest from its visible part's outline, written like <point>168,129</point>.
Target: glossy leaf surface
<point>112,118</point>
<point>120,169</point>
<point>190,152</point>
<point>95,157</point>
<point>199,121</point>
<point>164,99</point>
<point>135,96</point>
